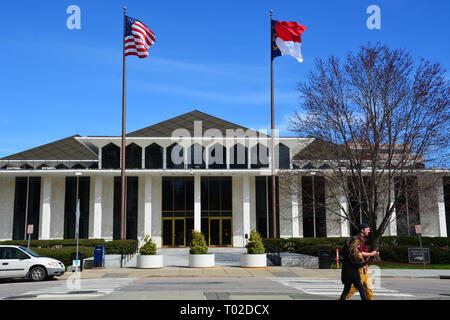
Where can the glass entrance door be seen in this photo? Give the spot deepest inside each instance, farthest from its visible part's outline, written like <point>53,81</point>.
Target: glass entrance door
<point>220,231</point>
<point>174,231</point>
<point>178,232</point>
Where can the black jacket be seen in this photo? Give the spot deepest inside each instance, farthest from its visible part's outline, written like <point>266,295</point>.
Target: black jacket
<point>350,266</point>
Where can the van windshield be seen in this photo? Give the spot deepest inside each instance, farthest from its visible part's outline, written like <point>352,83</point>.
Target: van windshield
<point>31,253</point>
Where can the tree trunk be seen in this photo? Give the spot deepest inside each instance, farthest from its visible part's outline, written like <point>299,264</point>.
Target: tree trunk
<point>375,246</point>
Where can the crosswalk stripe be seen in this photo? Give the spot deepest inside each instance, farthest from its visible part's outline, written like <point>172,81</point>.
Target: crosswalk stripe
<point>331,287</point>
<point>81,288</point>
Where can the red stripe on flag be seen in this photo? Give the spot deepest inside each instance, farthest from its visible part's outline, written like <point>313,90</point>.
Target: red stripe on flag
<point>289,31</point>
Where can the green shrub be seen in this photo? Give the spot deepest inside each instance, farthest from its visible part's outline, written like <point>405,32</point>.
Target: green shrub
<point>120,246</point>
<point>55,243</point>
<point>64,254</point>
<point>255,244</point>
<point>149,248</point>
<point>198,243</point>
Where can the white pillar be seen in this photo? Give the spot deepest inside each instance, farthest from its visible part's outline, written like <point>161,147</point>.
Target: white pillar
<point>246,204</point>
<point>46,208</point>
<point>295,215</point>
<point>148,207</point>
<point>100,157</point>
<point>393,219</point>
<point>197,204</point>
<point>441,207</point>
<point>343,207</point>
<point>98,207</point>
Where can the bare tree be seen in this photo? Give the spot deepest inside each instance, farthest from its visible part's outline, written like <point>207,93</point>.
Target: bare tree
<point>374,118</point>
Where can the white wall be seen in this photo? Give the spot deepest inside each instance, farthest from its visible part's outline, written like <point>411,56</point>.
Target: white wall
<point>156,210</point>
<point>57,207</point>
<point>428,205</point>
<point>285,207</point>
<point>238,222</point>
<point>7,187</point>
<point>107,207</point>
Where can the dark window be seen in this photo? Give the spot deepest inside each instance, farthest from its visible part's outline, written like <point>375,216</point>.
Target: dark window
<point>13,253</point>
<point>358,209</point>
<point>446,184</point>
<point>133,156</point>
<point>282,156</point>
<point>131,205</point>
<point>178,196</point>
<point>70,207</point>
<point>24,200</point>
<point>260,156</point>
<point>110,156</point>
<point>175,157</point>
<point>239,157</point>
<point>154,156</point>
<point>217,157</point>
<point>216,196</point>
<point>407,206</point>
<point>264,206</point>
<point>196,157</point>
<point>313,207</point>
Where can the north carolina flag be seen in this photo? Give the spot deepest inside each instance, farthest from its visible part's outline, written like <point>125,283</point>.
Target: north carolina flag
<point>286,39</point>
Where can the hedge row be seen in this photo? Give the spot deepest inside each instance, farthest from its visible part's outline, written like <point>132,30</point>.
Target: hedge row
<point>64,254</point>
<point>111,247</point>
<point>56,243</point>
<point>292,244</point>
<point>394,249</point>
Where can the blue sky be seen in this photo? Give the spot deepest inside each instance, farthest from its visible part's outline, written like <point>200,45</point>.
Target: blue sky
<point>209,55</point>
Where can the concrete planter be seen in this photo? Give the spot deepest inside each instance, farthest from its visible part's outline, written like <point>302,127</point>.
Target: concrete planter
<point>149,261</point>
<point>201,260</point>
<point>253,260</point>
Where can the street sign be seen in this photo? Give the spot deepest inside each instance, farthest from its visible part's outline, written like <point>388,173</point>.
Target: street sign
<point>30,229</point>
<point>417,255</point>
<point>418,229</point>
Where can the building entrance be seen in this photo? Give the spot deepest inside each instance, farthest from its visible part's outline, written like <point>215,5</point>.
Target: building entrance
<point>177,232</point>
<point>220,231</point>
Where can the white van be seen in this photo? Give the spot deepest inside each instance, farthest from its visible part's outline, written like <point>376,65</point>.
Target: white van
<point>20,262</point>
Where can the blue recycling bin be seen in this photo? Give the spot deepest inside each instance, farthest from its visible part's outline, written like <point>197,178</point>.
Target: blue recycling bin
<point>99,256</point>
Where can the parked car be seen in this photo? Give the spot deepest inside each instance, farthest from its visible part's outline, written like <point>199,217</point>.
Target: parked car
<point>20,262</point>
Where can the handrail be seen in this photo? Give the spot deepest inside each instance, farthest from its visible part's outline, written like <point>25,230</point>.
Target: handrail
<point>127,253</point>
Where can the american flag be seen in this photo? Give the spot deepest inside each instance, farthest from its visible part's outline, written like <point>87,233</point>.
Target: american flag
<point>138,38</point>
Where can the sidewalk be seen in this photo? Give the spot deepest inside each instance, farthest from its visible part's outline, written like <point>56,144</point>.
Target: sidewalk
<point>236,272</point>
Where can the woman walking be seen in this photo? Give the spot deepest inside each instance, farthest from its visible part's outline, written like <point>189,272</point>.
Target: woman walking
<point>352,262</point>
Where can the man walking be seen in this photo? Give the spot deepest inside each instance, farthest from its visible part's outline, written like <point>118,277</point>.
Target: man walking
<point>364,231</point>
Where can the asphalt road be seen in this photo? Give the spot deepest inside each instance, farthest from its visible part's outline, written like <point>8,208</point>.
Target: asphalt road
<point>215,288</point>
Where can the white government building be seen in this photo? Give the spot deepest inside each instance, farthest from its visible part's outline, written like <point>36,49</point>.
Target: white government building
<point>224,194</point>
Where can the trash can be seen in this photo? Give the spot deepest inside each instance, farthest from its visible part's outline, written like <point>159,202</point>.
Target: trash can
<point>324,259</point>
<point>80,257</point>
<point>99,256</point>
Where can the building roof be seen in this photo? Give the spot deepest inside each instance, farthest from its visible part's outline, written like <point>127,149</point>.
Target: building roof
<point>72,149</point>
<point>65,149</point>
<point>186,121</point>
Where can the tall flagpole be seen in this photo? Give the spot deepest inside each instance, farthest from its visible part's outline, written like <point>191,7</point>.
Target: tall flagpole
<point>274,203</point>
<point>122,207</point>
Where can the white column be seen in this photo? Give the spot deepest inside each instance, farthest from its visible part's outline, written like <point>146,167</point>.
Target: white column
<point>98,207</point>
<point>295,215</point>
<point>246,205</point>
<point>441,207</point>
<point>46,208</point>
<point>197,204</point>
<point>393,219</point>
<point>100,157</point>
<point>343,208</point>
<point>148,207</point>
<point>164,158</point>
